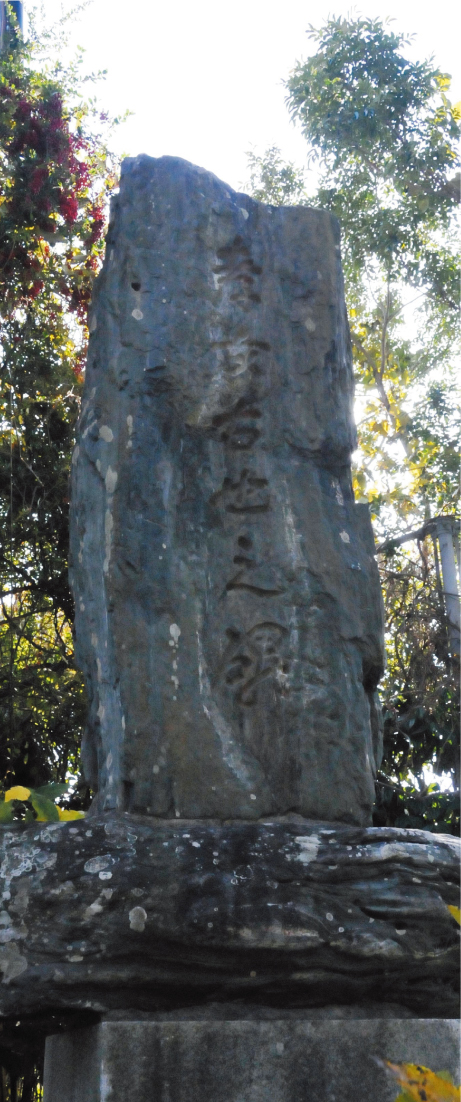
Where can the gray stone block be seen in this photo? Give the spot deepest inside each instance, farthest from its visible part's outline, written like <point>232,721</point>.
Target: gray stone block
<point>243,1061</point>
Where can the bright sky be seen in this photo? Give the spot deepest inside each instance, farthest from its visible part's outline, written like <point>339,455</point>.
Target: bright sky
<point>205,79</point>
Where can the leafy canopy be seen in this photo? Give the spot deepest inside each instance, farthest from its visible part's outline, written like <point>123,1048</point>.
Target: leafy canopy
<point>384,137</point>
<point>271,180</point>
<point>385,133</point>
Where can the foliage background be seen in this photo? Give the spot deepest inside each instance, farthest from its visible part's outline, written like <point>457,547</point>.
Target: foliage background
<point>56,173</point>
<point>384,139</point>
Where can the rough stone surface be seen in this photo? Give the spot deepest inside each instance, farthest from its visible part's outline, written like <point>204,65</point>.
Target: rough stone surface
<point>228,608</point>
<point>123,912</point>
<point>232,1061</point>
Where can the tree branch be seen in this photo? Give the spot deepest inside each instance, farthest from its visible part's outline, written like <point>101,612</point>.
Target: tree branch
<point>380,386</point>
<point>410,534</point>
<point>384,331</point>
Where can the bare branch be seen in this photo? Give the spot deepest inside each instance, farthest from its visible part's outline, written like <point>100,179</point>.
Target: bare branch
<point>410,534</point>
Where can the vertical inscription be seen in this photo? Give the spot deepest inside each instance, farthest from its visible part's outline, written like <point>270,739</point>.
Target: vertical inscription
<point>239,354</point>
<point>253,657</point>
<point>257,656</point>
<point>237,276</point>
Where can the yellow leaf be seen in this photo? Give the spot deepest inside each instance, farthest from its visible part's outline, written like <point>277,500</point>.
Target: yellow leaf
<point>17,793</point>
<point>67,816</point>
<point>420,1084</point>
<point>359,481</point>
<point>456,110</point>
<point>456,912</point>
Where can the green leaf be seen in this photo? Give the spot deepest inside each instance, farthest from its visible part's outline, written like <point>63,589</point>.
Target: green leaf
<point>6,812</point>
<point>47,811</point>
<point>51,791</point>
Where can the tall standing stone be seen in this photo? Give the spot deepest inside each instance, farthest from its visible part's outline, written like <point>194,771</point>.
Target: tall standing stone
<point>228,612</point>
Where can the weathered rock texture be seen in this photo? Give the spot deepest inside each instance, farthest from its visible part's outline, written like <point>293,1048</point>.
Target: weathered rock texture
<point>228,607</point>
<point>122,912</point>
<point>230,1061</point>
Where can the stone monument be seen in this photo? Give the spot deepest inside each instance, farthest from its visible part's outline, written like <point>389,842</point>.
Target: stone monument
<point>225,925</point>
<point>228,610</point>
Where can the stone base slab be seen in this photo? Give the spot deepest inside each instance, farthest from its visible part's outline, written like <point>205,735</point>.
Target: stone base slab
<point>112,913</point>
<point>243,1061</point>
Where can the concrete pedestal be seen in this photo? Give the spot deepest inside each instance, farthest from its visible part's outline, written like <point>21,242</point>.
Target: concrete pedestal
<point>286,1060</point>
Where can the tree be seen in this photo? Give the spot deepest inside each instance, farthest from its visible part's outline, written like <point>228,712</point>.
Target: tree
<point>383,133</point>
<point>56,174</point>
<point>272,180</point>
